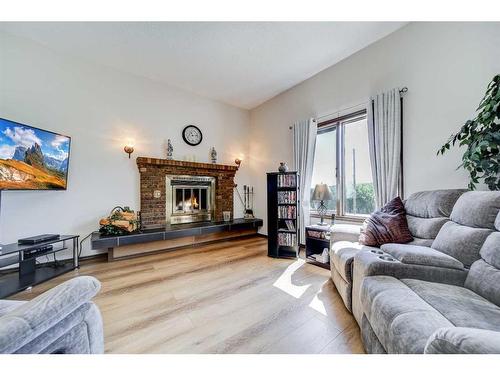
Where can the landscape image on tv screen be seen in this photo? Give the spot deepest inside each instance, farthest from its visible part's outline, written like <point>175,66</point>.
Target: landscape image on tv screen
<point>31,158</point>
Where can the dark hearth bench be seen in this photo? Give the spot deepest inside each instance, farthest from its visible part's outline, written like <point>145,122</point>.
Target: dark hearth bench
<point>172,237</point>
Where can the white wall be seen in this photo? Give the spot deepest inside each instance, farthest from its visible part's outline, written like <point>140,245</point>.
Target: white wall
<point>446,67</point>
<point>100,108</point>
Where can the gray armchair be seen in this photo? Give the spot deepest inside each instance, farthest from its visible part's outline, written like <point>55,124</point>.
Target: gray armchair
<point>62,320</point>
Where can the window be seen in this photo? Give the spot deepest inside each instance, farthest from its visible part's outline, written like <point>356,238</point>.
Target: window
<point>360,198</point>
<point>325,160</point>
<point>342,161</point>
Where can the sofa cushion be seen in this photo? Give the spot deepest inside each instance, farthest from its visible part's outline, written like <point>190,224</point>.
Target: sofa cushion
<point>425,227</point>
<point>484,275</point>
<point>477,209</point>
<point>401,320</point>
<point>386,225</point>
<point>434,203</point>
<point>461,306</point>
<point>405,313</point>
<point>461,242</point>
<point>6,306</point>
<point>484,279</point>
<point>490,251</point>
<point>411,254</point>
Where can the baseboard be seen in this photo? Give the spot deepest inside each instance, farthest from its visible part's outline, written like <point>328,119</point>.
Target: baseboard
<point>113,258</point>
<point>94,256</point>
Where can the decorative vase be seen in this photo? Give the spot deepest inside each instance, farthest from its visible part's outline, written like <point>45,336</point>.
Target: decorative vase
<point>170,150</point>
<point>213,155</point>
<point>283,167</point>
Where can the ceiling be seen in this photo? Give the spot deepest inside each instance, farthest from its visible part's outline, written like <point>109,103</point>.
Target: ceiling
<point>239,63</point>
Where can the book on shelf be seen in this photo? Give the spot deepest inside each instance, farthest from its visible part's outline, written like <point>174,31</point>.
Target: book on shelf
<point>287,239</point>
<point>287,212</point>
<point>290,225</point>
<point>316,234</point>
<point>287,180</point>
<point>287,197</point>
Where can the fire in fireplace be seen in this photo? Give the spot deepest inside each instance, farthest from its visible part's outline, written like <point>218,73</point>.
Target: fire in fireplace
<point>189,199</point>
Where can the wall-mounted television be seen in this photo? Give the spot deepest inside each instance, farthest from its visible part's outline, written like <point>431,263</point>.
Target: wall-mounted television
<point>32,158</point>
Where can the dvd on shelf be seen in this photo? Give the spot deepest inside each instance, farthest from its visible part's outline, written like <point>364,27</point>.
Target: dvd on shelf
<point>290,225</point>
<point>287,180</point>
<point>287,239</point>
<point>287,212</point>
<point>287,197</point>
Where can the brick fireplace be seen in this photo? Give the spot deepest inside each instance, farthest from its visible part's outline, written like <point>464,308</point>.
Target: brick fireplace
<point>154,177</point>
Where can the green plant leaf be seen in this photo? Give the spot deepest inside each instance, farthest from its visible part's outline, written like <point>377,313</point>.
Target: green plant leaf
<point>481,136</point>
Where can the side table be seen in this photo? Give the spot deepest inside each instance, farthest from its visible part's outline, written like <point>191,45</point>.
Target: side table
<point>318,237</point>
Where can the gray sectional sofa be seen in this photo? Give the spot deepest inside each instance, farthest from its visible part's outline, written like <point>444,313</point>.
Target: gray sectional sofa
<point>426,213</point>
<point>437,293</point>
<point>62,320</point>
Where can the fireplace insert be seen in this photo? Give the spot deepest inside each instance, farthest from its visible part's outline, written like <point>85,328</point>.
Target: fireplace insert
<point>189,199</point>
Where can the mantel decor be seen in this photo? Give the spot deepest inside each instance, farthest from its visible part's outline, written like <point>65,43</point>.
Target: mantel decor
<point>482,138</point>
<point>213,155</point>
<point>170,150</point>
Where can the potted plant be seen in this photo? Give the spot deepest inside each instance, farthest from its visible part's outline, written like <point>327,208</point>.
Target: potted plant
<point>482,138</point>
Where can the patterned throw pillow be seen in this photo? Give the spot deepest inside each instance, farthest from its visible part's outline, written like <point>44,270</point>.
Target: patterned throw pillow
<point>388,225</point>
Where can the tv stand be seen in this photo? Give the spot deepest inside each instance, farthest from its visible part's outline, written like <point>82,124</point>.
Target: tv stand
<point>29,273</point>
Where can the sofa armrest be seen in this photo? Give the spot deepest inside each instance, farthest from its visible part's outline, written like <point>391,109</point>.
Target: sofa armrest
<point>459,340</point>
<point>376,262</point>
<point>35,317</point>
<point>342,255</point>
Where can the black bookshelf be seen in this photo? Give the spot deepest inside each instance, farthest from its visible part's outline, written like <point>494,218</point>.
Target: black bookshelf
<point>283,214</point>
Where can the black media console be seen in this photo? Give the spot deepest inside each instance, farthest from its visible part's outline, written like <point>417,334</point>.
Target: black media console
<point>30,273</point>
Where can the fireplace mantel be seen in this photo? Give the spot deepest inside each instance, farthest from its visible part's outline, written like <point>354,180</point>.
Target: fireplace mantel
<point>144,162</point>
<point>153,173</point>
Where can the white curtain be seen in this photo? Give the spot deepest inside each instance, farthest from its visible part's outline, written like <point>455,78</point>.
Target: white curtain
<point>304,144</point>
<point>384,137</point>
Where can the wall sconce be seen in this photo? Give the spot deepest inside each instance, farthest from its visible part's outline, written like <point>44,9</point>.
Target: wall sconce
<point>129,148</point>
<point>238,162</point>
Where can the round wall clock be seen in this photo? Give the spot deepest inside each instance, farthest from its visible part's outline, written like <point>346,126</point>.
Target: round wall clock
<point>192,135</point>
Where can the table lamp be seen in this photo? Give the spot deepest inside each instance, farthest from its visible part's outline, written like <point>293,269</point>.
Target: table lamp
<point>322,194</point>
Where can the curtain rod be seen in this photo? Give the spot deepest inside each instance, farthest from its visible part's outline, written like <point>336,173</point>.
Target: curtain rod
<point>404,90</point>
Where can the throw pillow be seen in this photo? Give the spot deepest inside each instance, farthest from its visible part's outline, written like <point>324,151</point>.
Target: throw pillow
<point>388,225</point>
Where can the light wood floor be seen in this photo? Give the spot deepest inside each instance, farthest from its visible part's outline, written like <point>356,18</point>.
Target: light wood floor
<point>227,297</point>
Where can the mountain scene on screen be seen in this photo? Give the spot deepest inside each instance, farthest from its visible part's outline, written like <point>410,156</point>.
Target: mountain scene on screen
<point>32,158</point>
